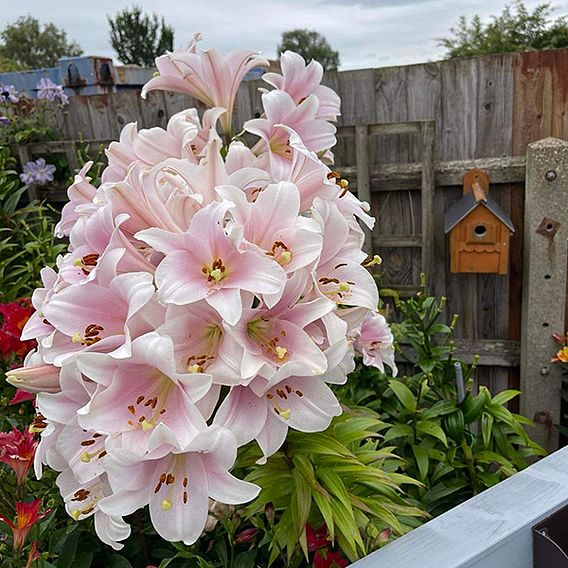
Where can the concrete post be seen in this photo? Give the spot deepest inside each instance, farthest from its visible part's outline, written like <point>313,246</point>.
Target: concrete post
<point>544,284</point>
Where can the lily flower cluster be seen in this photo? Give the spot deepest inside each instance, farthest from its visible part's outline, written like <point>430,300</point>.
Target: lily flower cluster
<point>210,295</point>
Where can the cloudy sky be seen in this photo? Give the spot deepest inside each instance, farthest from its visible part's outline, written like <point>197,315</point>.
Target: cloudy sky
<point>367,33</point>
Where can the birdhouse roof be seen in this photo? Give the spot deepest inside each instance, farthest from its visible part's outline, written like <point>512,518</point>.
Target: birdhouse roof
<point>462,208</point>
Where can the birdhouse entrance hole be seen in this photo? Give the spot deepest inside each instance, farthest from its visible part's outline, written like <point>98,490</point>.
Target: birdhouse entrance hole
<point>480,231</point>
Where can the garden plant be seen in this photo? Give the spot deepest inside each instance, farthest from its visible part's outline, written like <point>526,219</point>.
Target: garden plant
<point>205,376</point>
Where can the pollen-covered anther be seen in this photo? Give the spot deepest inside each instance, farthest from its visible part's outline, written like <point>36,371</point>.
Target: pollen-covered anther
<point>197,363</point>
<point>87,262</point>
<point>217,271</point>
<point>90,336</point>
<point>281,253</point>
<point>38,424</point>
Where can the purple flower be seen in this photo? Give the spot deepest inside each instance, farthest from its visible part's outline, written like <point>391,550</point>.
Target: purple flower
<point>9,93</point>
<point>37,172</point>
<point>4,120</point>
<point>48,90</point>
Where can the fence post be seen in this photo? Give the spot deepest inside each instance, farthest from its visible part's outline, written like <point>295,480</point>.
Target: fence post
<point>363,178</point>
<point>544,284</point>
<point>428,188</point>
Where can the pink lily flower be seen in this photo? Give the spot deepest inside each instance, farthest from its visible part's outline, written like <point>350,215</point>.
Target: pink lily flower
<point>314,179</point>
<point>200,344</point>
<point>339,274</point>
<point>300,81</point>
<point>64,444</point>
<point>208,76</point>
<point>35,376</point>
<point>206,263</point>
<point>100,234</point>
<point>17,450</point>
<point>81,194</point>
<point>135,395</point>
<point>263,411</point>
<point>273,223</point>
<point>317,135</point>
<point>375,343</point>
<point>27,515</point>
<point>273,339</point>
<point>177,482</point>
<point>82,501</point>
<point>109,320</point>
<point>186,136</point>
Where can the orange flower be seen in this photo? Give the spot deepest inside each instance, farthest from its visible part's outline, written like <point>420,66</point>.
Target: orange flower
<point>562,355</point>
<point>27,514</point>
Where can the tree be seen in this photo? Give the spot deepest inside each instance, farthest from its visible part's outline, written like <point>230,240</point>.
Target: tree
<point>27,46</point>
<point>516,29</point>
<point>310,45</point>
<point>139,38</point>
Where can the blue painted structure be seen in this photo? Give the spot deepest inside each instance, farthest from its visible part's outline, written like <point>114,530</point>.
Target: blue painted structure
<point>89,75</point>
<point>83,75</point>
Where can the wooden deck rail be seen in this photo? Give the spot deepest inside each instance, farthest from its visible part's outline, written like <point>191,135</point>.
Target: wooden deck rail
<point>492,530</point>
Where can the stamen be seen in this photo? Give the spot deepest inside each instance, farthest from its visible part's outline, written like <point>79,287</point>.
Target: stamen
<point>281,352</point>
<point>376,260</point>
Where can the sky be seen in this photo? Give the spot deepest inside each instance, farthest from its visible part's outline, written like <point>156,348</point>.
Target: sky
<point>367,33</point>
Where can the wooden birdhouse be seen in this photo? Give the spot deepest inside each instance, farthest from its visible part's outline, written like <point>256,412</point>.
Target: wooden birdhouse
<point>480,230</point>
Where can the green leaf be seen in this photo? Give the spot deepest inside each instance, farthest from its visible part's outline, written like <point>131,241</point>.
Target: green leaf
<point>486,428</point>
<point>245,559</point>
<point>440,408</point>
<point>301,502</point>
<point>505,396</point>
<point>421,460</point>
<point>404,394</point>
<point>399,431</point>
<point>118,561</point>
<point>324,505</point>
<point>432,429</point>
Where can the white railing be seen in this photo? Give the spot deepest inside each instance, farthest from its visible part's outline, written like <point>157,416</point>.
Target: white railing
<point>492,530</point>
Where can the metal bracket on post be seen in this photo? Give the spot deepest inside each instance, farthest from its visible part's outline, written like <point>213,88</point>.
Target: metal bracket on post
<point>544,284</point>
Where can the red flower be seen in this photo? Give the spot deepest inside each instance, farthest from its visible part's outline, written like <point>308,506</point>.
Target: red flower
<point>21,396</point>
<point>27,514</point>
<point>316,539</point>
<point>14,316</point>
<point>328,559</point>
<point>17,450</point>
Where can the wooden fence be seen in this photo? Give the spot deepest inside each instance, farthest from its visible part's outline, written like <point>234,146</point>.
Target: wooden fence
<point>405,138</point>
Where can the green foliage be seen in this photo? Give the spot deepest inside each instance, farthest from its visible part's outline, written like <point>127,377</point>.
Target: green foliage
<point>138,38</point>
<point>8,65</point>
<point>28,45</point>
<point>310,45</point>
<point>27,242</point>
<point>344,477</point>
<point>516,29</point>
<point>454,449</point>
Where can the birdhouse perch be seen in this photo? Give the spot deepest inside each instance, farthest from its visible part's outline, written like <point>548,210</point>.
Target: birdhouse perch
<point>480,230</point>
